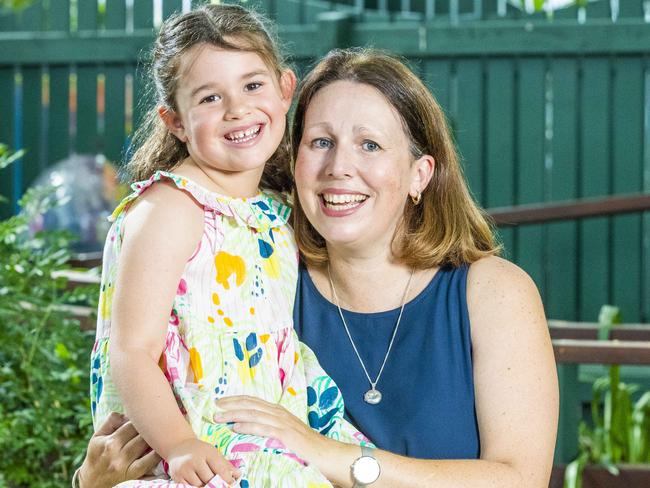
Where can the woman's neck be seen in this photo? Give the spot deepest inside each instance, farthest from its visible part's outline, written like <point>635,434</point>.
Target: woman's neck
<point>368,284</point>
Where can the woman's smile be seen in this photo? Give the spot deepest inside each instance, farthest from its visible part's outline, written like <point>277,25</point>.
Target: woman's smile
<point>340,203</point>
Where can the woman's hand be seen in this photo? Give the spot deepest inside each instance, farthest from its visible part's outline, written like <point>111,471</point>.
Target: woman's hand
<point>254,416</point>
<point>116,453</point>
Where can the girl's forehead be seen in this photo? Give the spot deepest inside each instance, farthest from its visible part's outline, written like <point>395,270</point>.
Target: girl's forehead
<point>207,57</point>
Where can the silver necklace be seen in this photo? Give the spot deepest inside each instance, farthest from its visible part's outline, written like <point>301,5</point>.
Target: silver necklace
<point>373,395</point>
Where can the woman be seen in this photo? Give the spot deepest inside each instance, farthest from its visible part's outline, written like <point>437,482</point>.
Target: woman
<point>446,366</point>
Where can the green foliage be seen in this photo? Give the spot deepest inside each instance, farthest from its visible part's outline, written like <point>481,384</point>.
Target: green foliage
<point>14,4</point>
<point>621,427</point>
<point>44,412</point>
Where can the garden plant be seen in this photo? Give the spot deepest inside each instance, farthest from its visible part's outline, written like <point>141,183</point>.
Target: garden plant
<point>45,413</point>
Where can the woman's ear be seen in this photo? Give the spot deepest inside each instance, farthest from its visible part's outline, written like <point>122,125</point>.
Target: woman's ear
<point>173,122</point>
<point>422,172</point>
<point>287,86</point>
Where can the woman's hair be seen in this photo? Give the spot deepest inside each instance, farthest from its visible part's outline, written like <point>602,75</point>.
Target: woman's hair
<point>224,26</point>
<point>447,227</point>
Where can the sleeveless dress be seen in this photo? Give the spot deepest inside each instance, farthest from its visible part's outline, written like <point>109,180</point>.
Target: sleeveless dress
<point>230,332</point>
<point>428,405</point>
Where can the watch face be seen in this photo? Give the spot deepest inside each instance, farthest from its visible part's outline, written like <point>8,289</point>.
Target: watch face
<point>366,470</point>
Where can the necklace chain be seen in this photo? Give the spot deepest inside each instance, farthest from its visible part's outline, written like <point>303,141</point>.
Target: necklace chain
<point>392,339</point>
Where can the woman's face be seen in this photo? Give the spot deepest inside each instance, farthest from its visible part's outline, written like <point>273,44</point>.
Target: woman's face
<point>354,171</point>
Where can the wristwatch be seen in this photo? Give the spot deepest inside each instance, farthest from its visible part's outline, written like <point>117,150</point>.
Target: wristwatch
<point>365,469</point>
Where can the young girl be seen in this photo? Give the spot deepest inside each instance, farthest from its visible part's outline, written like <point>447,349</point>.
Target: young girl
<point>200,266</point>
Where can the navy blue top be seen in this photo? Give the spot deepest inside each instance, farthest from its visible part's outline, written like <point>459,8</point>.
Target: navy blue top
<point>427,410</point>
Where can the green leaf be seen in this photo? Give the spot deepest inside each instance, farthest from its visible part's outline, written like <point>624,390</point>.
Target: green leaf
<point>62,351</point>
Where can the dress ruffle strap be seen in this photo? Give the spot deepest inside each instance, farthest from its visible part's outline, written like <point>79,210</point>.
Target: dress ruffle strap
<point>263,211</point>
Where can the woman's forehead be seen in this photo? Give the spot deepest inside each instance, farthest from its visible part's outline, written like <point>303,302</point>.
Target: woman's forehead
<point>357,105</point>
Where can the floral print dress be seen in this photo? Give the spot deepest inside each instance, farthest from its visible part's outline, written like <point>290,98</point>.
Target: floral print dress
<point>230,332</point>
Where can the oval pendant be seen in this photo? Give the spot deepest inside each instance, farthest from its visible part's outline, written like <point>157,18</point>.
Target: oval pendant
<point>372,396</point>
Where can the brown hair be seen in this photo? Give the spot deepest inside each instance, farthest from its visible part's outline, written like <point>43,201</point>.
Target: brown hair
<point>229,27</point>
<point>447,227</point>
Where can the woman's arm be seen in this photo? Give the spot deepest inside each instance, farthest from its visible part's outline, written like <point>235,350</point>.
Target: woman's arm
<point>161,232</point>
<point>516,399</point>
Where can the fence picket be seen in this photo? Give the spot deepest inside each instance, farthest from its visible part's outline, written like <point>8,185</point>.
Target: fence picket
<point>116,14</point>
<point>58,120</point>
<point>468,123</point>
<point>31,127</point>
<point>627,137</point>
<point>561,277</point>
<point>530,117</point>
<point>59,15</point>
<point>595,178</point>
<point>500,169</point>
<point>171,6</point>
<point>115,90</point>
<point>87,137</point>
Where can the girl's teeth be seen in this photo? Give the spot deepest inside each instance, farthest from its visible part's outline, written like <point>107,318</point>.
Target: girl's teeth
<point>243,135</point>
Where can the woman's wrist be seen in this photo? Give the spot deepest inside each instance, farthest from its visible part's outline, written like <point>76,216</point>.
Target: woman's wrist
<point>334,459</point>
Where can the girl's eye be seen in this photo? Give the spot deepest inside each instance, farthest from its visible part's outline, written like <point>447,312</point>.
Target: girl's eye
<point>253,86</point>
<point>370,146</point>
<point>322,143</point>
<point>210,99</point>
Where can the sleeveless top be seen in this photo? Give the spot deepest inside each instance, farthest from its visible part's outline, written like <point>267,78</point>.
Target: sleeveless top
<point>427,410</point>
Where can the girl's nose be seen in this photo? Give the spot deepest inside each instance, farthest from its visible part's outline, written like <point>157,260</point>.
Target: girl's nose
<point>236,108</point>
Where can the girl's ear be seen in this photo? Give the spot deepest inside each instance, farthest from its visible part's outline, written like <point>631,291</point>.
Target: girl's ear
<point>287,86</point>
<point>173,123</point>
<point>422,171</point>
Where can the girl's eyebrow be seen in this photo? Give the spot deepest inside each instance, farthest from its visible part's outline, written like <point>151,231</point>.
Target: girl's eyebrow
<point>209,85</point>
<point>257,72</point>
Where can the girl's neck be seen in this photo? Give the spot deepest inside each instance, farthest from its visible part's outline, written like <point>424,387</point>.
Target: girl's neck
<point>236,184</point>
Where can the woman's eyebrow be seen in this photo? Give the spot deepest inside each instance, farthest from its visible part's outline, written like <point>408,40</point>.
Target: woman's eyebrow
<point>319,125</point>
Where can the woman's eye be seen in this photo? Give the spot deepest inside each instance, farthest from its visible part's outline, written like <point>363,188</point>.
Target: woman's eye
<point>321,143</point>
<point>370,146</point>
<point>210,99</point>
<point>253,86</point>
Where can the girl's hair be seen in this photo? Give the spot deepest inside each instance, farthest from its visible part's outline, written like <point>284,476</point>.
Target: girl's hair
<point>224,26</point>
<point>447,227</point>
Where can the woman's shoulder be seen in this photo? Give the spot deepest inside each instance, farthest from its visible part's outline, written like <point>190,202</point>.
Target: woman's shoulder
<point>499,292</point>
<point>493,274</point>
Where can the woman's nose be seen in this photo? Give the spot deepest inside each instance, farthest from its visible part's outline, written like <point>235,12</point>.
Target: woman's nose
<point>340,163</point>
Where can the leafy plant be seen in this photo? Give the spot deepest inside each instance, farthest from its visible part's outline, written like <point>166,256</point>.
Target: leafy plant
<point>621,427</point>
<point>44,413</point>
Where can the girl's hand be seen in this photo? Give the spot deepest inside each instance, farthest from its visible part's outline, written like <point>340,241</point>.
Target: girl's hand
<point>254,416</point>
<point>195,463</point>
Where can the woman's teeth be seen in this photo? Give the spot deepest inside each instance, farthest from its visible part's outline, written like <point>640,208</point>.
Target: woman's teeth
<point>243,135</point>
<point>343,201</point>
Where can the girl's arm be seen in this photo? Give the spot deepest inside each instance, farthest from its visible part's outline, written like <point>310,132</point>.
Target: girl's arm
<point>160,233</point>
<point>516,399</point>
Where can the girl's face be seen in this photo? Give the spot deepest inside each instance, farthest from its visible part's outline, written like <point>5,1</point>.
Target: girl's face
<point>354,171</point>
<point>231,108</point>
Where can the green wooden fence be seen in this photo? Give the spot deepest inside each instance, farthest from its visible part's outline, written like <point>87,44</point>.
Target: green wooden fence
<point>542,110</point>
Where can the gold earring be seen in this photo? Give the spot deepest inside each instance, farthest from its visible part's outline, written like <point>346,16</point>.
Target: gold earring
<point>416,199</point>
